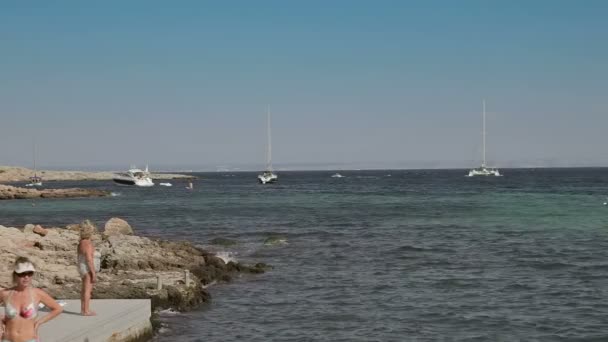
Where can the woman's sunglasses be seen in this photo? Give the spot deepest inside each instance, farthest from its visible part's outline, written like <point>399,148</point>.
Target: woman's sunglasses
<point>25,274</point>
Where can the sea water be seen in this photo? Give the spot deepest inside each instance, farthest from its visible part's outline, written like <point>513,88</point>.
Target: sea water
<point>386,255</point>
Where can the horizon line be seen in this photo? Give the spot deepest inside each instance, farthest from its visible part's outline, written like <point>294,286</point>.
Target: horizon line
<point>177,170</point>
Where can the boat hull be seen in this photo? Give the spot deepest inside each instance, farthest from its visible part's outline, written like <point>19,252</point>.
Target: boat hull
<point>267,178</point>
<point>124,181</point>
<point>484,172</point>
<point>134,182</point>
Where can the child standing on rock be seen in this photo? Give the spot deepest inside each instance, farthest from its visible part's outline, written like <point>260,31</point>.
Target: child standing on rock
<point>86,267</point>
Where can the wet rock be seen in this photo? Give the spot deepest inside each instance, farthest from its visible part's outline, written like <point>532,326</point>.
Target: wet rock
<point>275,240</point>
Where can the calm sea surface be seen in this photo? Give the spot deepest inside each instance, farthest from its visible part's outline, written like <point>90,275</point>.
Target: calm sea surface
<point>379,255</point>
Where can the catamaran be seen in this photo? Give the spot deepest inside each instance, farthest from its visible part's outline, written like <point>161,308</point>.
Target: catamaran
<point>268,176</point>
<point>483,170</point>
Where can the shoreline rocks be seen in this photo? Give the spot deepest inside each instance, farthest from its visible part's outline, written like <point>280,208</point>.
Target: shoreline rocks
<point>8,192</point>
<point>173,274</point>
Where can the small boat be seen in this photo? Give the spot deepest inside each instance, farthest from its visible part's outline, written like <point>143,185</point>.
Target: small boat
<point>35,180</point>
<point>268,176</point>
<point>337,175</point>
<point>190,186</point>
<point>483,170</point>
<point>135,177</point>
<point>165,184</point>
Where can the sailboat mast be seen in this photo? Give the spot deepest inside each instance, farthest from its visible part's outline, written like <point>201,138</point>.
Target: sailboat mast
<point>269,151</point>
<point>484,134</point>
<point>34,155</point>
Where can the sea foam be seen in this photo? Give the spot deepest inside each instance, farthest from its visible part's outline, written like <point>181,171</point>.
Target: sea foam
<point>226,256</point>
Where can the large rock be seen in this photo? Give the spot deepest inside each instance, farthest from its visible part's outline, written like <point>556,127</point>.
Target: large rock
<point>29,228</point>
<point>117,226</point>
<point>40,231</point>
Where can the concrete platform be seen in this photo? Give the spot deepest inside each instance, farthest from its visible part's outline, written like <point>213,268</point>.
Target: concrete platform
<point>117,320</point>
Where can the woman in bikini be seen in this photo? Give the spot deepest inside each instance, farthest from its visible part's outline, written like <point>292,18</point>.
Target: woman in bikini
<point>21,305</point>
<point>86,268</point>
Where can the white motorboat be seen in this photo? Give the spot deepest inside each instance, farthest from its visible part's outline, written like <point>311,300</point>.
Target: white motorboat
<point>268,176</point>
<point>484,170</point>
<point>337,175</point>
<point>165,184</point>
<point>135,177</point>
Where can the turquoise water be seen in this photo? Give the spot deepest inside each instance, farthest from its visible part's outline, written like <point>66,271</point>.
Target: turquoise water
<point>380,255</point>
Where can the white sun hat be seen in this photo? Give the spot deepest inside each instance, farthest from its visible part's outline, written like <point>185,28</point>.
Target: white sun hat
<point>24,267</point>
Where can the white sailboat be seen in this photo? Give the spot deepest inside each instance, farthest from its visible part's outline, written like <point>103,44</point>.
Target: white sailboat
<point>483,170</point>
<point>268,176</point>
<point>35,180</point>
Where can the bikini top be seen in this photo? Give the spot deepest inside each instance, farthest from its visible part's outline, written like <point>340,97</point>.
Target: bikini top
<point>29,312</point>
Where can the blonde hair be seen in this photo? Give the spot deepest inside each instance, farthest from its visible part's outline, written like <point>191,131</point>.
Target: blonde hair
<point>87,229</point>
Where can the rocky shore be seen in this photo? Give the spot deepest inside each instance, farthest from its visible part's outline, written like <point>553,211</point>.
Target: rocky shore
<point>171,274</point>
<point>8,192</point>
<point>10,174</point>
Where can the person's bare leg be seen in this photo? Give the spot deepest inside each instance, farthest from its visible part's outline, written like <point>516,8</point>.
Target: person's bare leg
<point>87,288</point>
<point>83,292</point>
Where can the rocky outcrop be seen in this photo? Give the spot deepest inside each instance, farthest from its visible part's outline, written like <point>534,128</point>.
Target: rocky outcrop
<point>20,174</point>
<point>131,266</point>
<point>11,192</point>
<point>117,226</point>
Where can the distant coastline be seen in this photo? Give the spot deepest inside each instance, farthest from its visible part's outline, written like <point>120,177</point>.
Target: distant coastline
<point>13,174</point>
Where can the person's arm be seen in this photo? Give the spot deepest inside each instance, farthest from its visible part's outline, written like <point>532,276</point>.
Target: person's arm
<point>2,318</point>
<point>50,303</point>
<point>90,256</point>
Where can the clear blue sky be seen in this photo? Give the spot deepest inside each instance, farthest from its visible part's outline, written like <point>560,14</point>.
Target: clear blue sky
<point>359,83</point>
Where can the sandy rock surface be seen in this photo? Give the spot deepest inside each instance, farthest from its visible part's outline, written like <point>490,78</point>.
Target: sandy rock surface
<point>8,192</point>
<point>131,266</point>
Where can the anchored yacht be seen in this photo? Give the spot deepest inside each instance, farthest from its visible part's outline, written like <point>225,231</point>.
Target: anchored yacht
<point>35,180</point>
<point>268,176</point>
<point>135,177</point>
<point>483,170</point>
